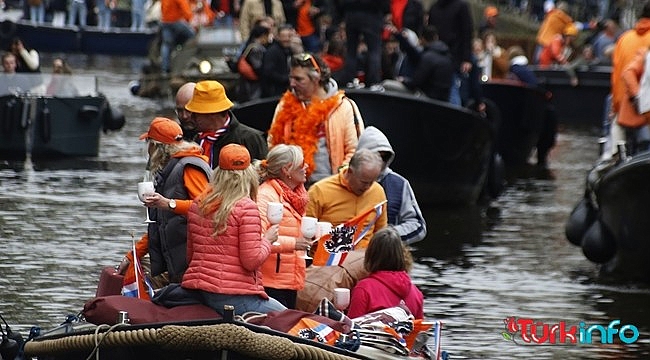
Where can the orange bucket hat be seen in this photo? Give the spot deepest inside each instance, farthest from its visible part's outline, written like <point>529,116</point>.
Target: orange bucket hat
<point>209,97</point>
<point>163,130</point>
<point>234,157</point>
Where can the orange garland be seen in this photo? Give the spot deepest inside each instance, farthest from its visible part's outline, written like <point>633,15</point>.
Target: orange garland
<point>303,122</point>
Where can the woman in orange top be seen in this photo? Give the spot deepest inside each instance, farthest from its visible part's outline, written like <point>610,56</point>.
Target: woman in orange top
<point>283,175</point>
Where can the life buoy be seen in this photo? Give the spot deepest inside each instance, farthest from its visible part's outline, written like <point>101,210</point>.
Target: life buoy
<point>7,29</point>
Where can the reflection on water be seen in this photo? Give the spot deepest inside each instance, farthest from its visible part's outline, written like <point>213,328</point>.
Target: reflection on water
<point>61,222</point>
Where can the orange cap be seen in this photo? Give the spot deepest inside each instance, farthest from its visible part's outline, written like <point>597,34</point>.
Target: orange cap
<point>491,11</point>
<point>234,157</point>
<point>164,130</point>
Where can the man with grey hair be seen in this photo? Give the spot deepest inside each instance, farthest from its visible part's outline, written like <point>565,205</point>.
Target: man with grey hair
<point>340,197</point>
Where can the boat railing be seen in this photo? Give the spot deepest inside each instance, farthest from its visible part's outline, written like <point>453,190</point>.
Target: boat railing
<point>47,85</point>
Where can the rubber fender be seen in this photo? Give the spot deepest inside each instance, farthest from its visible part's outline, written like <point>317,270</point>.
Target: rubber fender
<point>113,118</point>
<point>582,217</point>
<point>598,243</point>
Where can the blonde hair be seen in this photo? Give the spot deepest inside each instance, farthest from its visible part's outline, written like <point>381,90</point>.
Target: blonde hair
<point>162,153</point>
<point>278,157</point>
<point>225,189</point>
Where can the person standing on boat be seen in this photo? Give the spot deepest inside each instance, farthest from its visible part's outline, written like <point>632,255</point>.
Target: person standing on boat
<point>254,10</point>
<point>27,60</point>
<point>388,261</point>
<point>275,64</point>
<point>175,28</point>
<point>250,88</point>
<point>404,213</point>
<point>218,126</point>
<point>226,245</point>
<point>181,173</point>
<point>77,8</point>
<point>183,96</point>
<point>316,116</point>
<point>560,49</point>
<point>625,51</point>
<point>283,179</point>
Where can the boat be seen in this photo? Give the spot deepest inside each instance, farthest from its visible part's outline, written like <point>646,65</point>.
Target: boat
<point>523,113</point>
<point>584,104</point>
<point>73,39</point>
<point>40,126</point>
<point>443,150</point>
<point>610,222</point>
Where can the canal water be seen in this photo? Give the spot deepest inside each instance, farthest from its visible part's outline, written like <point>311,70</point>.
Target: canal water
<point>61,222</point>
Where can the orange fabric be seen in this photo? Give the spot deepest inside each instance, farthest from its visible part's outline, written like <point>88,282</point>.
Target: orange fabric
<point>290,272</point>
<point>554,23</point>
<point>335,63</point>
<point>195,182</point>
<point>175,10</point>
<point>628,115</point>
<point>304,24</point>
<point>397,10</point>
<point>624,52</point>
<point>294,123</point>
<point>553,53</point>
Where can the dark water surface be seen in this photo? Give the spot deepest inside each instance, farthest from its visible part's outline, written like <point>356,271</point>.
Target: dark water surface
<point>61,222</point>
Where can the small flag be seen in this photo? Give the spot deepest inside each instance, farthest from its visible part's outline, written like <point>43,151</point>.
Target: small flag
<point>333,248</point>
<point>135,283</point>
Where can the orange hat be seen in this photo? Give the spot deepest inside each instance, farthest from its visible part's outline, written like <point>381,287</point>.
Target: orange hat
<point>164,130</point>
<point>234,157</point>
<point>209,97</point>
<point>491,11</point>
<point>570,30</point>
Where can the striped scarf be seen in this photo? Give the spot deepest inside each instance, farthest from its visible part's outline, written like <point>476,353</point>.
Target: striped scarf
<point>208,138</point>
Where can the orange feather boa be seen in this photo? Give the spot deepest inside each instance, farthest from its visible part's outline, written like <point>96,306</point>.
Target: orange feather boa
<point>303,122</point>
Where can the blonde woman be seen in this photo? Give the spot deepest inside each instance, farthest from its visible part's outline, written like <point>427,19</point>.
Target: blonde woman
<point>283,176</point>
<point>180,173</point>
<point>225,245</point>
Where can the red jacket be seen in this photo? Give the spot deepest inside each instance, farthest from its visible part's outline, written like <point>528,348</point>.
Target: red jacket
<point>228,263</point>
<point>384,289</point>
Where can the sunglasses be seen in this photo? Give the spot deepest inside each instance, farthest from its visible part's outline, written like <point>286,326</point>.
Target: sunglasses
<point>305,60</point>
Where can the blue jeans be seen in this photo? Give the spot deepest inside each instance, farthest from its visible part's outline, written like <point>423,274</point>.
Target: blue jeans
<point>77,7</point>
<point>173,34</point>
<point>37,13</point>
<point>242,303</point>
<point>137,15</point>
<point>454,91</point>
<point>103,15</point>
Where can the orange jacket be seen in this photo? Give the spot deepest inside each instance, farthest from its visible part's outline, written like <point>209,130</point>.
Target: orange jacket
<point>554,22</point>
<point>554,52</point>
<point>175,10</point>
<point>624,52</point>
<point>627,114</point>
<point>284,268</point>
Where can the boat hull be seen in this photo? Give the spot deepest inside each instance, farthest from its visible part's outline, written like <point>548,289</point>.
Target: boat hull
<point>444,151</point>
<point>50,128</point>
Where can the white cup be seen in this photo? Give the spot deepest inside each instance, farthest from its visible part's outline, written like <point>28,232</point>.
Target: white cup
<point>308,227</point>
<point>341,298</point>
<point>324,227</point>
<point>274,212</point>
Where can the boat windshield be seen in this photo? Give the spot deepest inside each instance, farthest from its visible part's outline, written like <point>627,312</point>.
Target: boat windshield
<point>41,84</point>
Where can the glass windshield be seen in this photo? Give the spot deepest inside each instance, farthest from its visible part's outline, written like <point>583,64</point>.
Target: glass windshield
<point>40,84</point>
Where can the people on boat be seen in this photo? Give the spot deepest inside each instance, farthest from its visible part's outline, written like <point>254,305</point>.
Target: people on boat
<point>404,213</point>
<point>226,245</point>
<point>9,63</point>
<point>104,12</point>
<point>283,179</point>
<point>388,261</point>
<point>605,40</point>
<point>626,119</point>
<point>519,69</point>
<point>183,96</point>
<point>36,11</point>
<point>180,172</point>
<point>554,23</point>
<point>61,84</point>
<point>560,49</point>
<point>275,64</point>
<point>137,15</point>
<point>253,10</point>
<point>489,22</point>
<point>78,10</point>
<point>636,90</point>
<point>27,60</point>
<point>316,116</point>
<point>217,125</point>
<point>250,84</point>
<point>175,29</point>
<point>352,190</point>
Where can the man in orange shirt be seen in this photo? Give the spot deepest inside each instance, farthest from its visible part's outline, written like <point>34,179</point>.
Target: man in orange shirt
<point>175,28</point>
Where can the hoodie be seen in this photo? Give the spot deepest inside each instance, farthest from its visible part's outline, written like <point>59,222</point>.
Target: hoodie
<point>385,289</point>
<point>403,211</point>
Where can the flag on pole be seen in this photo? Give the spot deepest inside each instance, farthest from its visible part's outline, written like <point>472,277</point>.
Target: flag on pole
<point>333,248</point>
<point>135,283</point>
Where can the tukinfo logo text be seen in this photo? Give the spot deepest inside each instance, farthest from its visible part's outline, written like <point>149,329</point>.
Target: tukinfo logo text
<point>530,332</point>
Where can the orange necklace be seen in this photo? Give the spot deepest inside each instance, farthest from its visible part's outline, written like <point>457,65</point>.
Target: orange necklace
<point>302,123</point>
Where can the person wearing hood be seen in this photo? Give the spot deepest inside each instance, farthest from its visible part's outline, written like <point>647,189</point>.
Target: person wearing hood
<point>433,74</point>
<point>404,213</point>
<point>388,261</point>
<point>626,118</point>
<point>315,115</point>
<point>180,172</point>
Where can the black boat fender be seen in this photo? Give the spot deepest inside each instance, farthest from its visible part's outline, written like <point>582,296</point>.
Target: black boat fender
<point>112,118</point>
<point>46,124</point>
<point>598,243</point>
<point>582,217</point>
<point>10,115</point>
<point>7,29</point>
